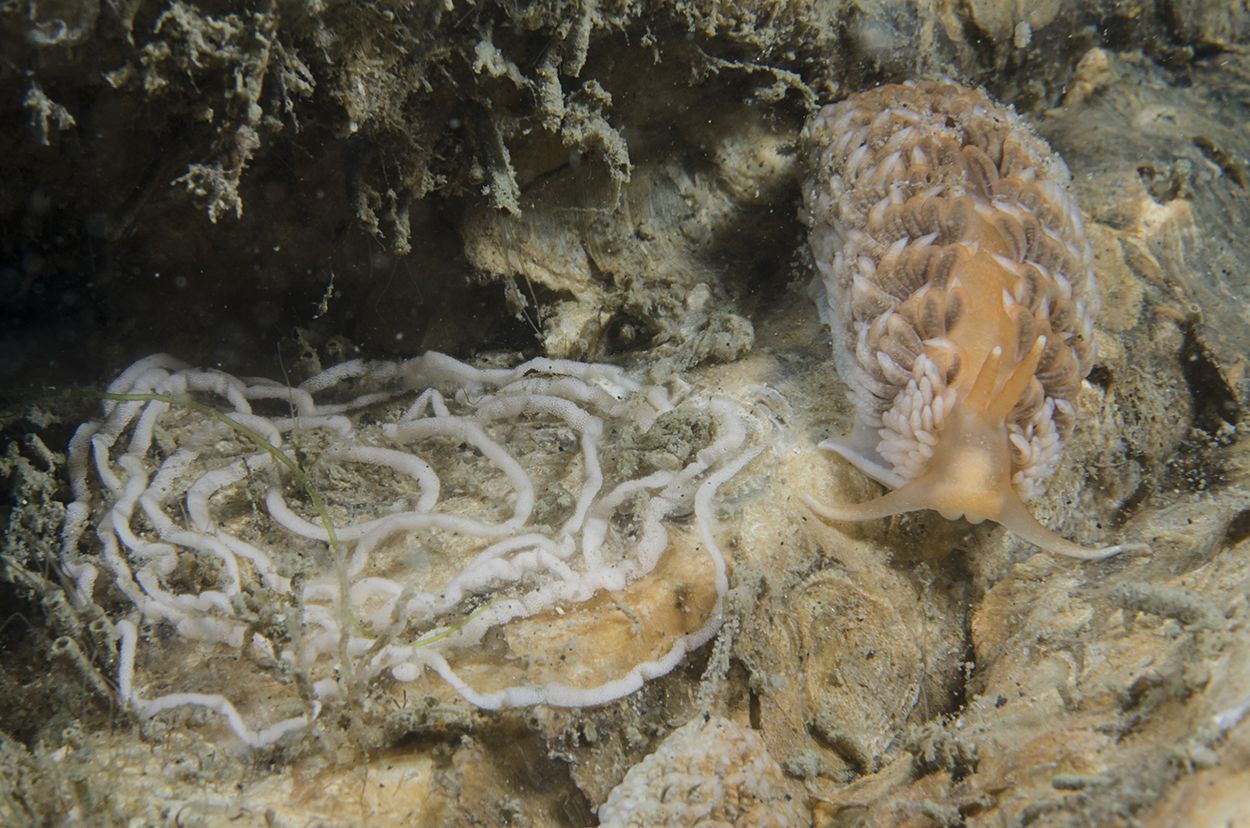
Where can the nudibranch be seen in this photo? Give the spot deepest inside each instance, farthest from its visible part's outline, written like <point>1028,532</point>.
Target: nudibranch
<point>954,273</point>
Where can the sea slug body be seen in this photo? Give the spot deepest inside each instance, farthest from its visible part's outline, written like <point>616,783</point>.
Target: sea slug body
<point>955,276</point>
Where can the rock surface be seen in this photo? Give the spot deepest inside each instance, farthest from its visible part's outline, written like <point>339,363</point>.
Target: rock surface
<point>708,772</point>
<point>597,181</point>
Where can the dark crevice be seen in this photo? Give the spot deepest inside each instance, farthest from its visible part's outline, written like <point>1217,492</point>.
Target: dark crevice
<point>754,710</point>
<point>1215,403</point>
<point>1238,529</point>
<point>1100,376</point>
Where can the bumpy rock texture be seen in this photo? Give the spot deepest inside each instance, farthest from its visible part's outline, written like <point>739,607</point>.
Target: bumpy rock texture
<point>707,772</point>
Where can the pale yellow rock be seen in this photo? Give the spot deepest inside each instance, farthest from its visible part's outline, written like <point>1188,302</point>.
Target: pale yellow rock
<point>709,772</point>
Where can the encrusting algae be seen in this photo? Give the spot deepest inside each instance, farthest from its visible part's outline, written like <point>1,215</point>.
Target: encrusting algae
<point>958,284</point>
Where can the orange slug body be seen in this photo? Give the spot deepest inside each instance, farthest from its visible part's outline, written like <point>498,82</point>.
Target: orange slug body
<point>956,279</point>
